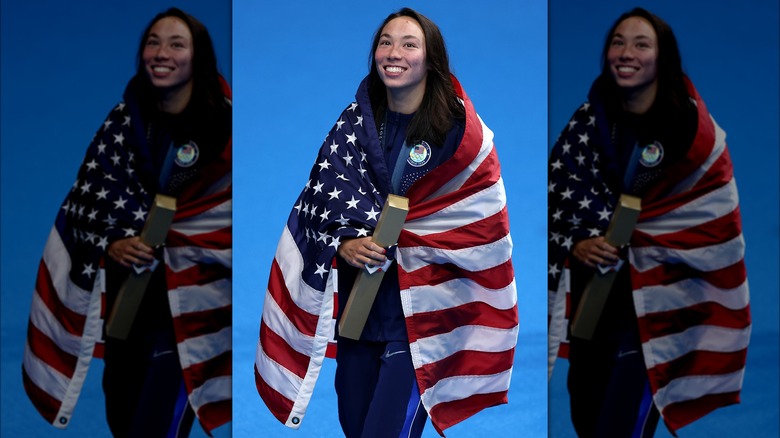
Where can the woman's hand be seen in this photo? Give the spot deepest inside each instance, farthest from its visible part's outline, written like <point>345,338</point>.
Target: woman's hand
<point>595,251</point>
<point>131,251</point>
<point>358,252</point>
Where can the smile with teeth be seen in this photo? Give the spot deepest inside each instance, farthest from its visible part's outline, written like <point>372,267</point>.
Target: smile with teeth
<point>394,69</point>
<point>161,69</point>
<point>626,69</point>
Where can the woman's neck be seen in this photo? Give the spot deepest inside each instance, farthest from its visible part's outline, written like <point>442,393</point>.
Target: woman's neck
<point>639,101</point>
<point>406,100</point>
<point>176,100</point>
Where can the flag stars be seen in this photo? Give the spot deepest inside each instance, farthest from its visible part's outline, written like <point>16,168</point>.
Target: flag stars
<point>575,221</point>
<point>372,214</point>
<point>585,203</point>
<point>557,165</point>
<point>551,187</point>
<point>351,138</point>
<point>92,215</point>
<point>572,122</point>
<point>592,121</point>
<point>120,203</point>
<point>334,147</point>
<point>566,148</point>
<point>353,106</point>
<point>553,270</point>
<point>557,215</point>
<point>92,165</point>
<point>362,232</point>
<point>110,221</point>
<point>85,187</point>
<point>580,158</point>
<point>115,158</point>
<point>325,214</point>
<point>119,138</point>
<point>348,159</point>
<point>129,232</point>
<point>318,187</point>
<point>339,123</point>
<point>299,206</point>
<point>594,232</point>
<point>352,203</point>
<point>101,148</point>
<point>341,177</point>
<point>106,124</point>
<point>342,220</point>
<point>335,193</point>
<point>324,164</point>
<point>139,214</point>
<point>584,138</point>
<point>604,214</point>
<point>321,271</point>
<point>567,242</point>
<point>566,194</point>
<point>127,121</point>
<point>103,242</point>
<point>359,121</point>
<point>335,242</point>
<point>585,106</point>
<point>88,270</point>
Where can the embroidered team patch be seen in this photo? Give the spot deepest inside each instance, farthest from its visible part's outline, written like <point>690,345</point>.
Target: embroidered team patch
<point>420,154</point>
<point>187,154</point>
<point>652,154</point>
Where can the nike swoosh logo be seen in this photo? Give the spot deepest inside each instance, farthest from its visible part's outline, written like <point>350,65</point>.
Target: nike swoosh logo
<point>161,353</point>
<point>395,352</point>
<point>626,353</point>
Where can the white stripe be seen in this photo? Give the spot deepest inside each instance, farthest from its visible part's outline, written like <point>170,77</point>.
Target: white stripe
<point>481,205</point>
<point>45,377</point>
<point>202,348</point>
<point>702,337</point>
<point>705,258</point>
<point>58,263</point>
<point>291,264</point>
<point>457,292</point>
<point>181,258</point>
<point>688,293</point>
<point>470,337</point>
<point>220,185</point>
<point>214,219</point>
<point>212,390</point>
<point>93,331</point>
<point>474,258</point>
<point>42,318</point>
<point>276,376</point>
<point>695,176</point>
<point>693,387</point>
<point>461,178</point>
<point>713,205</point>
<point>197,298</point>
<point>276,320</point>
<point>460,387</point>
<point>556,305</point>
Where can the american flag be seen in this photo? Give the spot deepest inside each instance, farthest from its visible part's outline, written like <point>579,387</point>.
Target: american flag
<point>688,274</point>
<point>455,270</point>
<point>109,202</point>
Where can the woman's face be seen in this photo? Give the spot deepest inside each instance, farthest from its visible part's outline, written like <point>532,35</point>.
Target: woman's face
<point>633,56</point>
<point>167,55</point>
<point>400,58</point>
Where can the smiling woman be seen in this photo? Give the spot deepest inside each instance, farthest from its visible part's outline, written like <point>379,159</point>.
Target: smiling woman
<point>168,139</point>
<point>439,340</point>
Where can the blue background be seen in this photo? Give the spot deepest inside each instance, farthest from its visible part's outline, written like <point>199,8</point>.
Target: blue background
<point>294,72</point>
<point>64,67</point>
<point>730,52</point>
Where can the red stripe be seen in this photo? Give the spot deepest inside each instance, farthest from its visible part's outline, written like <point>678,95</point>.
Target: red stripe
<point>481,232</point>
<point>215,414</point>
<point>678,320</point>
<point>710,233</point>
<point>698,363</point>
<point>193,324</point>
<point>465,153</point>
<point>488,171</point>
<point>46,405</point>
<point>497,277</point>
<point>448,414</point>
<point>465,363</point>
<point>276,348</point>
<point>476,183</point>
<point>217,366</point>
<point>425,324</point>
<point>71,321</point>
<point>563,350</point>
<point>279,405</point>
<point>217,239</point>
<point>728,277</point>
<point>199,274</point>
<point>330,351</point>
<point>680,414</point>
<point>305,322</point>
<point>49,352</point>
<point>188,208</point>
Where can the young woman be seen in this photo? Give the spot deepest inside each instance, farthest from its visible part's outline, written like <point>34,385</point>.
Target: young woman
<point>170,135</point>
<point>440,336</point>
<point>673,334</point>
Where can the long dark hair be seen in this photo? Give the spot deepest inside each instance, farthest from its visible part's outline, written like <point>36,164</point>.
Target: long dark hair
<point>672,93</point>
<point>207,91</point>
<point>439,106</point>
